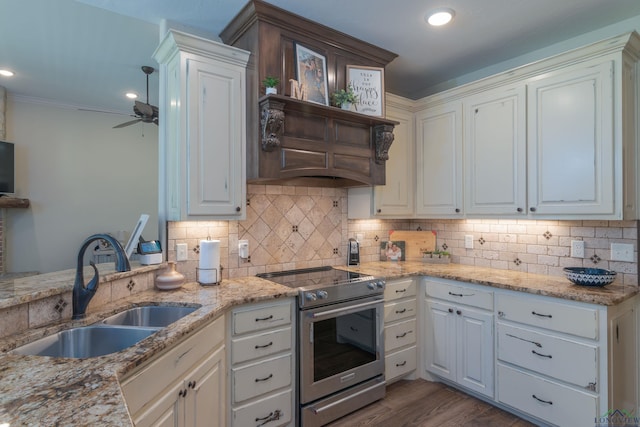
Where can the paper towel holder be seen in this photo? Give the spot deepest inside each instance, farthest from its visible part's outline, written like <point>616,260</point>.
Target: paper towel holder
<point>217,282</point>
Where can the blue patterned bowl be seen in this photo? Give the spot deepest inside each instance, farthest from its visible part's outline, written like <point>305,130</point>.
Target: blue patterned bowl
<point>589,276</point>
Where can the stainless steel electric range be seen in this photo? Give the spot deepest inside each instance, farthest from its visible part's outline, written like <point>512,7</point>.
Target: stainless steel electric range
<point>340,341</point>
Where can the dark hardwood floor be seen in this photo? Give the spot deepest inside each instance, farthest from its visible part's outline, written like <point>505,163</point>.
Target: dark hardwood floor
<point>421,403</point>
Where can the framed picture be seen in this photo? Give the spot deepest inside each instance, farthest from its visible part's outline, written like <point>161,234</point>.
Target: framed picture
<point>368,85</point>
<point>311,71</point>
<point>392,250</point>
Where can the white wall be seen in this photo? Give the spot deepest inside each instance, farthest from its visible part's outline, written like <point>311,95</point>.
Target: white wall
<point>81,176</point>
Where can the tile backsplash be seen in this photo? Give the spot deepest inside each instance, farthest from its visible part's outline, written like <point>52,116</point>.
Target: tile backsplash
<point>287,227</point>
<point>297,227</point>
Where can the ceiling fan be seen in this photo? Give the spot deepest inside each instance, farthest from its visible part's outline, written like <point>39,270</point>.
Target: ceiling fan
<point>145,113</point>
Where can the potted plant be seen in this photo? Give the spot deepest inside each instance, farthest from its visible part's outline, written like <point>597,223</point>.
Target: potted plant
<point>344,98</point>
<point>270,84</point>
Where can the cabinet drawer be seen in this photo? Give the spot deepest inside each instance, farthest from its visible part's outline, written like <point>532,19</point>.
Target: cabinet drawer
<point>272,411</point>
<point>399,310</point>
<point>261,345</point>
<point>400,363</point>
<point>550,355</point>
<point>142,386</point>
<point>459,294</point>
<point>547,400</point>
<point>261,377</point>
<point>399,289</point>
<point>399,335</point>
<point>567,318</point>
<point>260,318</point>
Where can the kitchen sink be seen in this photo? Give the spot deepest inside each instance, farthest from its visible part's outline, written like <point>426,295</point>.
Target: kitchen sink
<point>87,341</point>
<point>151,315</point>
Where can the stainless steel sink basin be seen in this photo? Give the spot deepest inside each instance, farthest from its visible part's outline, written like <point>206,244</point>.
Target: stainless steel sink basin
<point>151,315</point>
<point>87,341</point>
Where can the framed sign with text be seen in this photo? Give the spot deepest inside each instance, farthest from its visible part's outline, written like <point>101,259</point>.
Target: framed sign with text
<point>368,85</point>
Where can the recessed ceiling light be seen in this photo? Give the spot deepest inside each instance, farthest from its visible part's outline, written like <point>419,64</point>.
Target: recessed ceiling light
<point>6,73</point>
<point>131,95</point>
<point>440,17</point>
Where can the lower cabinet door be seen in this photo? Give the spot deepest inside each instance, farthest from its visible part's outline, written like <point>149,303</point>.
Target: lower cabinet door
<point>206,390</point>
<point>272,411</point>
<point>165,411</point>
<point>549,401</point>
<point>475,350</point>
<point>400,363</point>
<point>440,340</point>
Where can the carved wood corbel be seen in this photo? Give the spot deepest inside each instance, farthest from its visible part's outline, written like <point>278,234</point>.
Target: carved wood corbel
<point>384,139</point>
<point>271,124</point>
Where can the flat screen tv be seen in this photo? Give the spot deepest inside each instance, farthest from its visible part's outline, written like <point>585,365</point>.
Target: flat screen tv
<point>7,168</point>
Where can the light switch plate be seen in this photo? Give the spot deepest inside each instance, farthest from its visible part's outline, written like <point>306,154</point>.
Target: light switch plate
<point>181,251</point>
<point>468,241</point>
<point>622,252</point>
<point>577,248</point>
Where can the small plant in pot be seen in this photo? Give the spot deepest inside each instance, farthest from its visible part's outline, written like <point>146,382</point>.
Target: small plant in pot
<point>344,98</point>
<point>270,84</point>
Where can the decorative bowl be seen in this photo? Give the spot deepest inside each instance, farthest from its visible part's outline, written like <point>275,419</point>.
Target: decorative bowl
<point>589,276</point>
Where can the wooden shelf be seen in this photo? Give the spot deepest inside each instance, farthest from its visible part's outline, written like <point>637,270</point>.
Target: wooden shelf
<point>13,202</point>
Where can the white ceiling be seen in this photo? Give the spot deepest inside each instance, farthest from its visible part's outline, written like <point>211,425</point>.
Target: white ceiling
<point>87,53</point>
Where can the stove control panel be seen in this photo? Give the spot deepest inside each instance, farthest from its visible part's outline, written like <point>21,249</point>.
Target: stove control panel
<point>341,292</point>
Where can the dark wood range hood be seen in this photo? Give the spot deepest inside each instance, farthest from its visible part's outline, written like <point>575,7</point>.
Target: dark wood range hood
<point>298,142</point>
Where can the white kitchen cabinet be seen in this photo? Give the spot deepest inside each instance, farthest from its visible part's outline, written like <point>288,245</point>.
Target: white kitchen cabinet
<point>400,328</point>
<point>395,198</point>
<point>439,161</point>
<point>458,334</point>
<point>203,114</point>
<point>262,376</point>
<point>495,147</point>
<point>563,362</point>
<point>184,387</point>
<point>572,141</point>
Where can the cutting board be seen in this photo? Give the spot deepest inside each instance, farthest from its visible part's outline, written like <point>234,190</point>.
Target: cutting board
<point>416,242</point>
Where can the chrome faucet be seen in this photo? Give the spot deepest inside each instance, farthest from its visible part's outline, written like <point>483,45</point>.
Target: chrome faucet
<point>82,294</point>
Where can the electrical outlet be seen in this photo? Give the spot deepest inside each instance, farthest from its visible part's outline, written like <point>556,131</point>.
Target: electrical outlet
<point>577,248</point>
<point>468,241</point>
<point>181,251</point>
<point>622,252</point>
<point>360,237</point>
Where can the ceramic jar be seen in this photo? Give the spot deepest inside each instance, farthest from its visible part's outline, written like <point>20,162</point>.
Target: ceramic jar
<point>170,278</point>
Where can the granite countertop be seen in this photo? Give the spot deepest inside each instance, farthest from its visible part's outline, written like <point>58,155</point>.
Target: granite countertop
<point>552,286</point>
<point>37,390</point>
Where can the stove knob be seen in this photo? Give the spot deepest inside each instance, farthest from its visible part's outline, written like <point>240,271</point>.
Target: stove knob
<point>310,296</point>
<point>380,284</point>
<point>371,286</point>
<point>323,294</point>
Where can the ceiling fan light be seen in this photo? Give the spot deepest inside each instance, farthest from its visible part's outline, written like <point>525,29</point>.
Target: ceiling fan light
<point>440,17</point>
<point>6,73</point>
<point>131,95</point>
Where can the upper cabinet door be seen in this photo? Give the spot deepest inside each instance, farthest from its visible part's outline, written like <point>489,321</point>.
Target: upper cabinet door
<point>495,152</point>
<point>215,139</point>
<point>571,143</point>
<point>439,161</point>
<point>395,198</point>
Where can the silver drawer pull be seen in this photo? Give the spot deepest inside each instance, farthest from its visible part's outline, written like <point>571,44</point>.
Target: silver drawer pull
<point>403,334</point>
<point>264,379</point>
<point>540,400</point>
<point>541,315</point>
<point>273,416</point>
<point>541,355</point>
<point>264,346</point>
<point>262,319</point>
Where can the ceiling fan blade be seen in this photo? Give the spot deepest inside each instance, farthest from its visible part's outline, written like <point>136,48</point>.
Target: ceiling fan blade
<point>121,125</point>
<point>105,112</point>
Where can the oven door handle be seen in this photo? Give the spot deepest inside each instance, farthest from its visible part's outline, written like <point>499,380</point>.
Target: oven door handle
<point>346,310</point>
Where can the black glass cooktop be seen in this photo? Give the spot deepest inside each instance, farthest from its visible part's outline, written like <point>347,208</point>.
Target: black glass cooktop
<point>311,277</point>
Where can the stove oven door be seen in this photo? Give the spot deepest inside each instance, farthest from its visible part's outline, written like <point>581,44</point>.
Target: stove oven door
<point>341,345</point>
